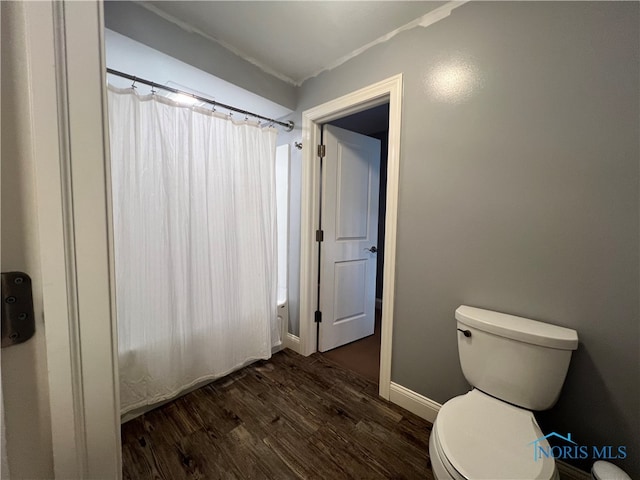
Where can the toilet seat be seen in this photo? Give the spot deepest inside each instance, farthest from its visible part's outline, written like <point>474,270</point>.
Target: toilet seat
<point>481,437</point>
<point>440,465</point>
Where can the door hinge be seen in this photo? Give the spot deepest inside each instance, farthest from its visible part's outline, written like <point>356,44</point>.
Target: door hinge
<point>18,320</point>
<point>318,317</point>
<point>319,235</point>
<point>322,150</point>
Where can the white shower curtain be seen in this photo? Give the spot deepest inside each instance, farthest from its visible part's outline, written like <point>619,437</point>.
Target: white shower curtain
<point>195,244</point>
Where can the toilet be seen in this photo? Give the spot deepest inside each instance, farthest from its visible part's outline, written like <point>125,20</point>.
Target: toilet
<point>515,365</point>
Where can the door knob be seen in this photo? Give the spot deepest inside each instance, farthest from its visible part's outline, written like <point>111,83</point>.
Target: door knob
<point>373,249</point>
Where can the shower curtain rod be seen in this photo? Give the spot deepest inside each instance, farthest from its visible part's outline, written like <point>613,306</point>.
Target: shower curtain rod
<point>288,125</point>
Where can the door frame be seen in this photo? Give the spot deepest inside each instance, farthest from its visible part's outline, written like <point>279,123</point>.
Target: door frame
<point>69,138</point>
<point>386,91</point>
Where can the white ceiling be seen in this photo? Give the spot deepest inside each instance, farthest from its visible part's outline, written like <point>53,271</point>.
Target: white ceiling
<point>293,40</point>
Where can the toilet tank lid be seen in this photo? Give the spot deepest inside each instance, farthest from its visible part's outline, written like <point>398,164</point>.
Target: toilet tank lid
<point>518,328</point>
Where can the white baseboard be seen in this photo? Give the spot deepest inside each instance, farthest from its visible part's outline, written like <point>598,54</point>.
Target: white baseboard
<point>414,402</point>
<point>292,342</point>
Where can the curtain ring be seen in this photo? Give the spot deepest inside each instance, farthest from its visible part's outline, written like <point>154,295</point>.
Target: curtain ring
<point>133,85</point>
<point>153,90</point>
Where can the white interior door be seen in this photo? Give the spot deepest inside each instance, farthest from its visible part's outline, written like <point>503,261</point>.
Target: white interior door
<point>350,189</point>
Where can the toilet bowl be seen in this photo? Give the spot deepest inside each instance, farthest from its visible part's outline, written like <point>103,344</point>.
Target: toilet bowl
<point>479,437</point>
<point>515,365</point>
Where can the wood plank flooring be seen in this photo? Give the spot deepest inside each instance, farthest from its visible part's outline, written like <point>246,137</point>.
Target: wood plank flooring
<point>291,417</point>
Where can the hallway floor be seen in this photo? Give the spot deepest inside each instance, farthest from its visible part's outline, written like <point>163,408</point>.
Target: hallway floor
<point>291,417</point>
<point>361,356</point>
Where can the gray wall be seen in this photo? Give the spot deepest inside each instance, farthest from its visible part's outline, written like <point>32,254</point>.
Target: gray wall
<point>518,193</point>
<point>138,23</point>
<point>519,187</point>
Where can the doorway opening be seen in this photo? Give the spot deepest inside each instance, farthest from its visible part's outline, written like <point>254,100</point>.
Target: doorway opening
<point>359,351</point>
<point>387,92</point>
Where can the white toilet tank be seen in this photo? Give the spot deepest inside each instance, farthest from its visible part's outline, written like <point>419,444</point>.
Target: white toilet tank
<point>521,361</point>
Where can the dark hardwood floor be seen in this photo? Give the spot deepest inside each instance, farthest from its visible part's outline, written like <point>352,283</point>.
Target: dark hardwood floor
<point>289,417</point>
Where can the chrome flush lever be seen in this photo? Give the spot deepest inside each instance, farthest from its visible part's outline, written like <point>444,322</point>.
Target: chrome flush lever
<point>466,333</point>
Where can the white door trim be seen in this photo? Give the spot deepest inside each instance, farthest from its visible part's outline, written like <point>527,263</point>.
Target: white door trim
<point>389,90</point>
<point>70,146</point>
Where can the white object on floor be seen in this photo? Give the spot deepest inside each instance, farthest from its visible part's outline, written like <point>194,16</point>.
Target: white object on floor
<point>602,470</point>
